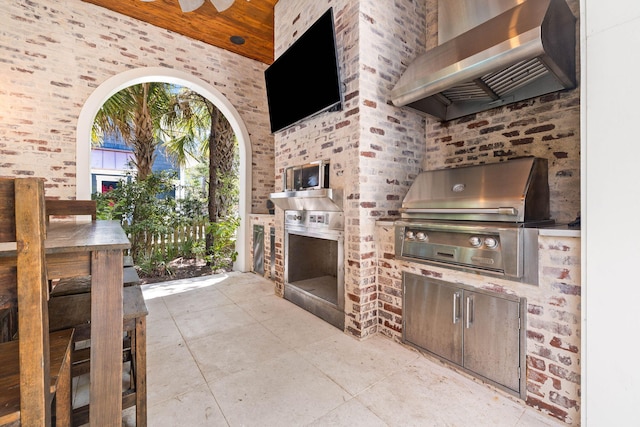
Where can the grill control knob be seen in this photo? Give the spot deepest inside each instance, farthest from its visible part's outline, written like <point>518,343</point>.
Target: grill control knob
<point>409,235</point>
<point>475,241</point>
<point>491,243</point>
<point>422,236</point>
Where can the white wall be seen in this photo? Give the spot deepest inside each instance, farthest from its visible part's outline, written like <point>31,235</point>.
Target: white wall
<point>611,200</point>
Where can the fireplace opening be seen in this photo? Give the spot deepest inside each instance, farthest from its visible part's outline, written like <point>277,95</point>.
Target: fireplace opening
<point>313,266</point>
<point>314,271</point>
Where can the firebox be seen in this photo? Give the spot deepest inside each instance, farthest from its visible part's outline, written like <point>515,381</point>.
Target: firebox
<point>314,263</point>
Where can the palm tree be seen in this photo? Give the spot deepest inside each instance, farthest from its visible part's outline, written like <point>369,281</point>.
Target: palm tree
<point>184,122</point>
<point>135,113</point>
<point>200,130</point>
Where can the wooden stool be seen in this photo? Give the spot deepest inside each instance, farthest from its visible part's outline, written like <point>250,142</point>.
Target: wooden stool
<point>135,326</point>
<point>80,285</point>
<point>75,309</point>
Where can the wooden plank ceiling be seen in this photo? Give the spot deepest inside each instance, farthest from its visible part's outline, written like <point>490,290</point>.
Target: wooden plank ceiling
<point>250,19</point>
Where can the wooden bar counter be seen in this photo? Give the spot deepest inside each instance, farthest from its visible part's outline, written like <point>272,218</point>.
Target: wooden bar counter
<point>93,248</point>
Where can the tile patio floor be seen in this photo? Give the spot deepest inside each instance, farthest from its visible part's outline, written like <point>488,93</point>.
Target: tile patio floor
<point>225,351</point>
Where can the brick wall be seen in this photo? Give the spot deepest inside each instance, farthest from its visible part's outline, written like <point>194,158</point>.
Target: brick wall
<point>375,149</point>
<point>391,139</point>
<point>552,319</point>
<point>54,54</point>
<point>553,332</point>
<point>548,127</point>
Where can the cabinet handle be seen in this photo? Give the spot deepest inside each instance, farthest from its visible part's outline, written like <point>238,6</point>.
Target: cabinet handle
<point>456,307</point>
<point>469,312</point>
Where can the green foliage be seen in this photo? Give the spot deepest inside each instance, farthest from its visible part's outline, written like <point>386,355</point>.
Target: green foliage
<point>147,208</point>
<point>198,249</point>
<point>223,253</point>
<point>144,207</point>
<point>153,265</point>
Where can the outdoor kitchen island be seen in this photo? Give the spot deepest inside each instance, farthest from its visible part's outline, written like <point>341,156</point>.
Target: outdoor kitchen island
<point>377,150</point>
<point>552,314</point>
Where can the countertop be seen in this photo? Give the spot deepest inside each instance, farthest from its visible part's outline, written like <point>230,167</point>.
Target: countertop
<point>560,230</point>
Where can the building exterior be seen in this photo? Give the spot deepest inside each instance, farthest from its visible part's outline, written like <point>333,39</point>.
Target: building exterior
<point>112,162</point>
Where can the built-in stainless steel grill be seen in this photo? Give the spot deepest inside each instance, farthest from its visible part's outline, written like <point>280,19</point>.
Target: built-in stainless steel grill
<point>481,218</point>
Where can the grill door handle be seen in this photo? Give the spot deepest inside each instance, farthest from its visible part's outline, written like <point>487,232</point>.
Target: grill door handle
<point>456,307</point>
<point>469,312</point>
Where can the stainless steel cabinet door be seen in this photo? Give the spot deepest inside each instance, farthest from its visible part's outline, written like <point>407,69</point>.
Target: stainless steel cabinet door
<point>492,338</point>
<point>433,317</point>
<point>258,249</point>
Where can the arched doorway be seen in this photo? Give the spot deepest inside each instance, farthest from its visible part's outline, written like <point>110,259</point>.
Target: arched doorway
<point>159,74</point>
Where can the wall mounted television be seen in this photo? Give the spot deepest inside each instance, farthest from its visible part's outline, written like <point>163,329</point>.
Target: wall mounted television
<point>305,79</point>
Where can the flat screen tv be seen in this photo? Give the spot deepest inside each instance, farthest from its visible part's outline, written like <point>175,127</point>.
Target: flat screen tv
<point>305,79</point>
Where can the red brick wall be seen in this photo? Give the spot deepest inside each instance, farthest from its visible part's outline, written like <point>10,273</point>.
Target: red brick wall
<point>554,334</point>
<point>375,149</point>
<point>553,343</point>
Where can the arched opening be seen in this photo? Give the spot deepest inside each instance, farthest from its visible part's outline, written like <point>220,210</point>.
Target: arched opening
<point>159,74</point>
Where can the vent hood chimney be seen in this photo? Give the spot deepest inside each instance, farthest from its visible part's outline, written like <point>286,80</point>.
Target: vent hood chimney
<point>526,48</point>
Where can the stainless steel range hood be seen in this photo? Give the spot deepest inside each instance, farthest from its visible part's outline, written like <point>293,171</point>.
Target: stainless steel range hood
<point>322,199</point>
<point>525,50</point>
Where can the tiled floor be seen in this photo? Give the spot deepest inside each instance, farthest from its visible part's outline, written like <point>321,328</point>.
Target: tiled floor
<point>225,351</point>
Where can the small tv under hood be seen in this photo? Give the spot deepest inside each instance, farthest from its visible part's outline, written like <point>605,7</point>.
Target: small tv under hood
<point>522,52</point>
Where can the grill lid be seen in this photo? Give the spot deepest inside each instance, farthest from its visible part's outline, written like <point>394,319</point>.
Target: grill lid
<point>513,191</point>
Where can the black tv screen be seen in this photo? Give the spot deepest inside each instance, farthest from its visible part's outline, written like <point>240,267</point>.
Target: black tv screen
<point>305,79</point>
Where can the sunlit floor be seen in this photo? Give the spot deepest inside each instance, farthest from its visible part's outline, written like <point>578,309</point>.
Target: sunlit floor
<point>225,351</point>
